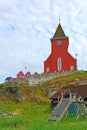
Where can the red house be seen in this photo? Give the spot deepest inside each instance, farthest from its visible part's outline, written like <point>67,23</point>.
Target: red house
<point>8,79</point>
<point>27,74</point>
<point>60,59</point>
<point>35,73</point>
<point>20,74</point>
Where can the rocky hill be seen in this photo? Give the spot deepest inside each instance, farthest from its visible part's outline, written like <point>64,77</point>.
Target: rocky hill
<point>21,89</point>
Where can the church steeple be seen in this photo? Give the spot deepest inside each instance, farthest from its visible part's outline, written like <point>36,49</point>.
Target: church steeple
<point>59,32</point>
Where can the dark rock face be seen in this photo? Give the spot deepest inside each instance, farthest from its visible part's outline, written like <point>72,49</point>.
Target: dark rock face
<point>14,90</point>
<point>36,100</point>
<point>16,93</point>
<point>12,93</point>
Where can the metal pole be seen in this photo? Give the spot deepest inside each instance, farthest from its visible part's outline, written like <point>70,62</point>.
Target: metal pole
<point>25,69</point>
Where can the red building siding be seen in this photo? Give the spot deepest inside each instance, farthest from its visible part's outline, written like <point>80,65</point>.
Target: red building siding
<point>20,74</point>
<point>59,59</point>
<point>27,74</point>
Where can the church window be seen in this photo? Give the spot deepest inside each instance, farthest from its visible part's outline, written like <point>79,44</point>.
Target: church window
<point>59,43</point>
<point>71,68</point>
<point>47,69</point>
<point>59,64</point>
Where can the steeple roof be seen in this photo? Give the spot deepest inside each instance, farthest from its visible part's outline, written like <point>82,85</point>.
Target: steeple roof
<point>59,32</point>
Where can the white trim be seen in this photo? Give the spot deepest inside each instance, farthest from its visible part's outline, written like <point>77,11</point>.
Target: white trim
<point>71,68</point>
<point>47,69</point>
<point>59,63</point>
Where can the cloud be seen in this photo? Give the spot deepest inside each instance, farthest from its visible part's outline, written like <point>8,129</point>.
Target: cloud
<point>26,27</point>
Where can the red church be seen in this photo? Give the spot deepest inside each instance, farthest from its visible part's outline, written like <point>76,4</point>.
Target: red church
<point>60,60</point>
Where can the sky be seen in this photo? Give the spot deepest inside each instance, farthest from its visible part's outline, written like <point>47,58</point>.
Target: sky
<point>26,27</point>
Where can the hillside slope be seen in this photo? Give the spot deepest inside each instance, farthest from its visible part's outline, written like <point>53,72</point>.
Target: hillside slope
<point>19,89</point>
<point>30,105</point>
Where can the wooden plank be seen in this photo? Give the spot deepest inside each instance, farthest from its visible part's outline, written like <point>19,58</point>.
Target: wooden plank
<point>63,112</point>
<point>59,109</point>
<point>54,117</point>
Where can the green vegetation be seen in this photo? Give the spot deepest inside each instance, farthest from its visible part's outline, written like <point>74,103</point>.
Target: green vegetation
<point>31,114</point>
<point>68,78</point>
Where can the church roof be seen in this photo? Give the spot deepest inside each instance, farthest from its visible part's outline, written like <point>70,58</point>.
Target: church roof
<point>59,32</point>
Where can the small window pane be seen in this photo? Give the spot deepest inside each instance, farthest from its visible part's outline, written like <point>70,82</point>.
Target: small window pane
<point>71,68</point>
<point>59,43</point>
<point>47,69</point>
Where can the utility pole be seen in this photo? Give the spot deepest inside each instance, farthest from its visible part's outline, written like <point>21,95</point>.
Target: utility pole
<point>25,69</point>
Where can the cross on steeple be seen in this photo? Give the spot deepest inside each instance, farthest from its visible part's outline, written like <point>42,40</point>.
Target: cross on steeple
<point>59,19</point>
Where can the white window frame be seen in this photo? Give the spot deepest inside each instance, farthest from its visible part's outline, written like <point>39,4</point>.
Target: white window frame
<point>59,43</point>
<point>47,69</point>
<point>59,62</point>
<point>71,68</point>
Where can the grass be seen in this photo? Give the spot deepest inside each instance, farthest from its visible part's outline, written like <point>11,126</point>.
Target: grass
<point>32,116</point>
<point>68,78</point>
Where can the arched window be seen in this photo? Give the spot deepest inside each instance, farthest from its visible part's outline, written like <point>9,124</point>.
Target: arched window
<point>59,64</point>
